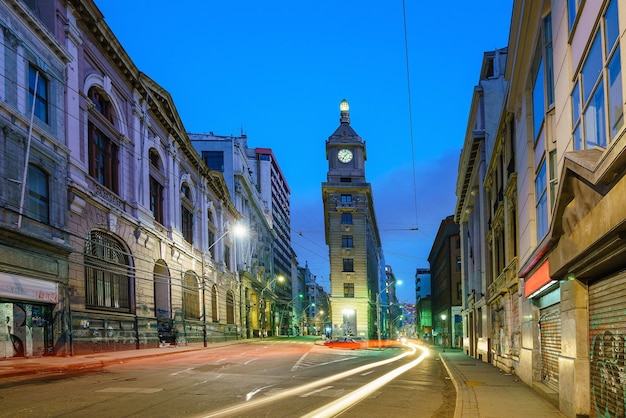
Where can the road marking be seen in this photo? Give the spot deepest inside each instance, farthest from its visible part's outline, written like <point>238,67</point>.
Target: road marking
<point>200,383</point>
<point>182,371</point>
<point>249,395</point>
<point>315,391</point>
<point>237,409</point>
<point>130,390</point>
<point>250,361</point>
<point>366,373</point>
<point>300,360</point>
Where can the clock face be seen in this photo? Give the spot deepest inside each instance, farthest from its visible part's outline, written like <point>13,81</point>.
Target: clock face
<point>344,155</point>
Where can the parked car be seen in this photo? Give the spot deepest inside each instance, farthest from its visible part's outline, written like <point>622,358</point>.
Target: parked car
<point>346,342</point>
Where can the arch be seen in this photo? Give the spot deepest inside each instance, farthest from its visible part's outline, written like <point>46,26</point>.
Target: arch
<point>104,83</point>
<point>230,307</point>
<point>214,304</point>
<point>109,280</point>
<point>162,290</point>
<point>191,295</point>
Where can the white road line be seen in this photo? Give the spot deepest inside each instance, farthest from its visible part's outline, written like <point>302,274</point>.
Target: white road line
<point>300,360</point>
<point>182,371</point>
<point>315,391</point>
<point>238,408</point>
<point>251,360</point>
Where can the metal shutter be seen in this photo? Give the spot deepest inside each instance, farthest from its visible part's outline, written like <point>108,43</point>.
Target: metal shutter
<point>607,332</point>
<point>550,343</point>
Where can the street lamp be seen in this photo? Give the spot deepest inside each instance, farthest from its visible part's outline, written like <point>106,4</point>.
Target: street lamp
<point>443,333</point>
<point>263,304</point>
<point>237,230</point>
<point>378,324</point>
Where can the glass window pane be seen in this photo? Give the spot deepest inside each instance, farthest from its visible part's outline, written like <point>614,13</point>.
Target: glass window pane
<point>592,68</point>
<point>612,27</point>
<point>578,139</point>
<point>538,101</point>
<point>571,10</point>
<point>595,126</point>
<point>615,104</point>
<point>575,104</point>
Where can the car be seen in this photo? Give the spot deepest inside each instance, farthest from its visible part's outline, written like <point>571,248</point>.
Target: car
<point>351,343</point>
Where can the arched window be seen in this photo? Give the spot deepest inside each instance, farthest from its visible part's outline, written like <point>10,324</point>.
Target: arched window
<point>157,179</point>
<point>191,296</point>
<point>186,205</point>
<point>38,194</point>
<point>103,149</point>
<point>230,307</point>
<point>107,273</point>
<point>214,311</point>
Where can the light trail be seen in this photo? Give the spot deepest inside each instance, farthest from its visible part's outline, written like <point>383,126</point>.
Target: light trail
<point>334,408</point>
<point>232,410</point>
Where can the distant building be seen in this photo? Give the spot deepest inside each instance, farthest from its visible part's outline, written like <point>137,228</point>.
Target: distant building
<point>445,268</point>
<point>356,262</point>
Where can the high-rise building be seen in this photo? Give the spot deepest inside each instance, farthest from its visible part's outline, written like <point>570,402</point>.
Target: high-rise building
<point>356,260</point>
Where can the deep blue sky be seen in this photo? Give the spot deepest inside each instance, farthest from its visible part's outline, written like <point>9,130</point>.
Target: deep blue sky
<point>276,70</point>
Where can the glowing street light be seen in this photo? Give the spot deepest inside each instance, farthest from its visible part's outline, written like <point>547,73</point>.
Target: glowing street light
<point>443,333</point>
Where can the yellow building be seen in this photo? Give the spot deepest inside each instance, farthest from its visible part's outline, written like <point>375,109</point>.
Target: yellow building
<point>356,261</point>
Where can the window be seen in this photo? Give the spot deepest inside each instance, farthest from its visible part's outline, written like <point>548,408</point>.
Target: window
<point>156,185</point>
<point>346,241</point>
<point>346,218</point>
<point>103,162</point>
<point>346,198</point>
<point>212,244</point>
<point>107,274</point>
<point>458,263</point>
<point>191,296</point>
<point>554,181</point>
<point>101,103</point>
<point>214,159</point>
<point>38,89</point>
<point>156,199</point>
<point>597,102</point>
<point>214,312</point>
<point>230,307</point>
<point>541,201</point>
<point>227,258</point>
<point>38,194</point>
<point>345,179</point>
<point>187,213</point>
<point>543,78</point>
<point>572,8</point>
<point>348,264</point>
<point>348,290</point>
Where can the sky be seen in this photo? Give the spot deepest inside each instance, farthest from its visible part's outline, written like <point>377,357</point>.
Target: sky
<point>277,70</point>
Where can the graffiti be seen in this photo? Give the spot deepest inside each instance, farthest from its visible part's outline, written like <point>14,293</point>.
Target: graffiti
<point>608,378</point>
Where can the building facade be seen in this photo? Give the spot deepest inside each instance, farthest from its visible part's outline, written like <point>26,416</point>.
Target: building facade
<point>483,186</point>
<point>446,287</point>
<point>34,239</point>
<point>554,189</point>
<point>356,261</point>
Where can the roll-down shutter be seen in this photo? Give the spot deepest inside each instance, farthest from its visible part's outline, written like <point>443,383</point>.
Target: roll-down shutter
<point>550,334</point>
<point>607,338</point>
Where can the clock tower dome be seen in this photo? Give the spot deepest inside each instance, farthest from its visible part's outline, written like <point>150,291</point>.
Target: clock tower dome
<point>351,234</point>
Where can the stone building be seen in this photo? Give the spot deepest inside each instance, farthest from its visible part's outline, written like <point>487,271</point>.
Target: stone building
<point>356,261</point>
<point>34,239</point>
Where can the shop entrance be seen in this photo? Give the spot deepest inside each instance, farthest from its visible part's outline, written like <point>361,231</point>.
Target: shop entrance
<point>25,330</point>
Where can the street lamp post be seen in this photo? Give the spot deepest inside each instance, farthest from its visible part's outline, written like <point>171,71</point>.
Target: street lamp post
<point>443,333</point>
<point>263,302</point>
<point>378,324</point>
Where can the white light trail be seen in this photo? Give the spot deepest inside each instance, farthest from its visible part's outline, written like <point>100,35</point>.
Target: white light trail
<point>304,388</point>
<point>343,403</point>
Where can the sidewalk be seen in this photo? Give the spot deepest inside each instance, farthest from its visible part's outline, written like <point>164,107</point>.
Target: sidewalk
<point>483,390</point>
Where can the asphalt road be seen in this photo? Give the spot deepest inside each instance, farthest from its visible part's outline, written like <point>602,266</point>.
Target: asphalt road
<point>277,378</point>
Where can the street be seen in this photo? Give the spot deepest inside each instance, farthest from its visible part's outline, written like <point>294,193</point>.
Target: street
<point>278,377</point>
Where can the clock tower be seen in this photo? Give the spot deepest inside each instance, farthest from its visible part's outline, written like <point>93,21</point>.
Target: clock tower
<point>356,263</point>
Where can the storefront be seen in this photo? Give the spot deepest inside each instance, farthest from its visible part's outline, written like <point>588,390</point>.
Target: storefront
<point>26,319</point>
